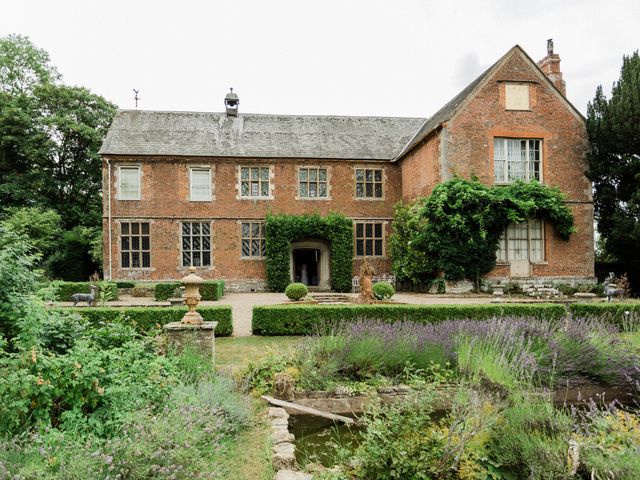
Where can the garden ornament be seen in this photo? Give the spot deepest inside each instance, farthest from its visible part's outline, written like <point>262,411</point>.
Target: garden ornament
<point>192,297</point>
<point>366,281</point>
<point>611,288</point>
<point>90,298</point>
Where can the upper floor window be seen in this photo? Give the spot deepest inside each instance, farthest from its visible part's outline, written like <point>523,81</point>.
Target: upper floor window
<point>522,241</point>
<point>516,96</point>
<point>517,159</point>
<point>135,245</point>
<point>369,239</point>
<point>129,183</point>
<point>312,182</point>
<point>196,244</point>
<point>368,183</point>
<point>253,239</point>
<point>200,184</point>
<point>254,182</point>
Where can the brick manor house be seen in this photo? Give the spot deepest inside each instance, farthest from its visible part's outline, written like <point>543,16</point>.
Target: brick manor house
<point>193,188</point>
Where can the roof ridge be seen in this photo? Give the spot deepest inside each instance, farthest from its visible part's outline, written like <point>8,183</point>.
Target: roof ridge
<point>375,117</point>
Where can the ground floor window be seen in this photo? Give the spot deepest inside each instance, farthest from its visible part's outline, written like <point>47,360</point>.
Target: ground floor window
<point>368,236</point>
<point>196,244</point>
<point>522,241</point>
<point>253,240</point>
<point>135,245</point>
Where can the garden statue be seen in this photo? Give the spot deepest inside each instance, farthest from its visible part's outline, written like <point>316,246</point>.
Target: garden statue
<point>366,282</point>
<point>611,287</point>
<point>90,298</point>
<point>283,386</point>
<point>192,297</point>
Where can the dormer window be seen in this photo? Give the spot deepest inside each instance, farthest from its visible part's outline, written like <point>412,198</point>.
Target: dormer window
<point>517,96</point>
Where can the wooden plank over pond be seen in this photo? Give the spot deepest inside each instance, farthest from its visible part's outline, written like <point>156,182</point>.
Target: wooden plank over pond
<point>309,410</point>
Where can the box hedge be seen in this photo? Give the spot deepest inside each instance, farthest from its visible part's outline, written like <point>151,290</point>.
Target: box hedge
<point>126,284</point>
<point>209,290</point>
<point>305,319</point>
<point>62,291</point>
<point>146,318</point>
<point>613,312</point>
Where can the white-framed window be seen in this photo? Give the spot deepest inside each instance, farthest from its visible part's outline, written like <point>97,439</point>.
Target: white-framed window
<point>255,182</point>
<point>196,244</point>
<point>200,184</point>
<point>517,159</point>
<point>522,241</point>
<point>135,245</point>
<point>516,96</point>
<point>312,182</point>
<point>369,238</point>
<point>129,183</point>
<point>368,183</point>
<point>252,240</point>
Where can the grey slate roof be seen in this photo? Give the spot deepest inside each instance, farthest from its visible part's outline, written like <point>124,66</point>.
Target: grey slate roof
<point>138,132</point>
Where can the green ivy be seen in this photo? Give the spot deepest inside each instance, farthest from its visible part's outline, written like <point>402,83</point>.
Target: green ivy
<point>456,230</point>
<point>281,230</point>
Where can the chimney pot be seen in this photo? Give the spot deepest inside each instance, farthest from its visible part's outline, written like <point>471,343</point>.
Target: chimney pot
<point>550,66</point>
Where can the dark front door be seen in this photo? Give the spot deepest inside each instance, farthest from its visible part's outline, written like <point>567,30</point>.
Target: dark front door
<point>305,265</point>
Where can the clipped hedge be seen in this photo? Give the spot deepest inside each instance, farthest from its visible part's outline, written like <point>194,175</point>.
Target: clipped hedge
<point>125,284</point>
<point>62,291</point>
<point>295,319</point>
<point>165,290</point>
<point>612,312</point>
<point>146,318</point>
<point>209,290</point>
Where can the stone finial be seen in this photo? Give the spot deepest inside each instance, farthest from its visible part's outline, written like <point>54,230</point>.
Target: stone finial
<point>192,297</point>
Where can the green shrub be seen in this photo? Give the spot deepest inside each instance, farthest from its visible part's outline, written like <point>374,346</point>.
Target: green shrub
<point>612,312</point>
<point>296,291</point>
<point>302,319</point>
<point>212,290</point>
<point>62,291</point>
<point>166,290</point>
<point>125,284</point>
<point>383,290</point>
<point>146,318</point>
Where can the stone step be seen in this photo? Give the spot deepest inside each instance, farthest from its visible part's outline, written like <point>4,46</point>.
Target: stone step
<point>330,298</point>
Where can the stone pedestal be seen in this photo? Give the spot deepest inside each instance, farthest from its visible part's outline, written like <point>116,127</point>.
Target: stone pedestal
<point>201,337</point>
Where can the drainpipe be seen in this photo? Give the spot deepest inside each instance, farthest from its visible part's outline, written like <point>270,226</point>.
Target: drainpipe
<point>109,216</point>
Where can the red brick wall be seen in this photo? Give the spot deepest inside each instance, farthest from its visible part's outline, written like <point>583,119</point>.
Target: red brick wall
<point>165,201</point>
<point>421,169</point>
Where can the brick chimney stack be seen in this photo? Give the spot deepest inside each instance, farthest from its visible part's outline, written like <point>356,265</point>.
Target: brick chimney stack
<point>550,66</point>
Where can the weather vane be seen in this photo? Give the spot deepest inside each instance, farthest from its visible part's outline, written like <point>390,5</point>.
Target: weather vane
<point>136,97</point>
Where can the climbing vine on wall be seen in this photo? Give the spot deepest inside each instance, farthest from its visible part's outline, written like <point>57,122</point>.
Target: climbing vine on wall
<point>456,230</point>
<point>281,230</point>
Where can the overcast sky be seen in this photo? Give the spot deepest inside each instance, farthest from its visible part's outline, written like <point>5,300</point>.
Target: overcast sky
<point>396,58</point>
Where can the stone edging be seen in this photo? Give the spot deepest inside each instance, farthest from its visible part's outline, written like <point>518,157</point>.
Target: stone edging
<point>283,455</point>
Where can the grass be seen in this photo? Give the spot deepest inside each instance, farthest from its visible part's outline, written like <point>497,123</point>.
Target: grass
<point>235,353</point>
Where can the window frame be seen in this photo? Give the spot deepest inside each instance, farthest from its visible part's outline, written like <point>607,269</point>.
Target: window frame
<point>209,183</point>
<point>130,251</point>
<point>503,244</point>
<point>260,181</point>
<point>138,168</point>
<point>261,239</point>
<point>373,238</point>
<point>527,162</point>
<point>309,182</point>
<point>201,236</point>
<point>364,183</point>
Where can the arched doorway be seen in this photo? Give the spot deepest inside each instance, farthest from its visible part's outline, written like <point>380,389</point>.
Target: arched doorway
<point>310,263</point>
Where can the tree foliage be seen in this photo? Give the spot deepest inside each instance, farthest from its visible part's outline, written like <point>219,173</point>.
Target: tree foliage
<point>457,229</point>
<point>281,230</point>
<point>614,132</point>
<point>50,134</point>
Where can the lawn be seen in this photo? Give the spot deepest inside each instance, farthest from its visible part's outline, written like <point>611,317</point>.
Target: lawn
<point>235,353</point>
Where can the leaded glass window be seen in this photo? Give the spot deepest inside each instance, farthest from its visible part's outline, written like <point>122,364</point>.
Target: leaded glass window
<point>312,182</point>
<point>253,239</point>
<point>254,182</point>
<point>522,241</point>
<point>368,183</point>
<point>196,244</point>
<point>517,159</point>
<point>369,238</point>
<point>135,245</point>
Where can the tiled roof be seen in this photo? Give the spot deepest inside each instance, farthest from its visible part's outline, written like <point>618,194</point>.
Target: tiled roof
<point>137,132</point>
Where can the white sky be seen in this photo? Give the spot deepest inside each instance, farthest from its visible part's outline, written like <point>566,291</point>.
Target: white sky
<point>369,57</point>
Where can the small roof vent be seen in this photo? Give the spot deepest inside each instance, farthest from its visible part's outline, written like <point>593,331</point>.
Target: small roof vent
<point>231,103</point>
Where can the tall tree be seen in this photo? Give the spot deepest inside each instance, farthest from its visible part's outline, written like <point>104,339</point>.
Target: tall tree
<point>614,131</point>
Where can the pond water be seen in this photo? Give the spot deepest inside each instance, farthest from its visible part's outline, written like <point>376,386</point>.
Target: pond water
<point>316,438</point>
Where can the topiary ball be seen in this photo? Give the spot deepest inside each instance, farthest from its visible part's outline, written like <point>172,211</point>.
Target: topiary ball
<point>383,291</point>
<point>296,291</point>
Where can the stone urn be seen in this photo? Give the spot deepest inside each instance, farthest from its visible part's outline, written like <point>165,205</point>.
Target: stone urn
<point>192,297</point>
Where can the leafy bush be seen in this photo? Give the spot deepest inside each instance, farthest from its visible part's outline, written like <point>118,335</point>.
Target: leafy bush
<point>383,290</point>
<point>296,291</point>
<point>281,230</point>
<point>294,319</point>
<point>62,291</point>
<point>147,318</point>
<point>166,290</point>
<point>122,284</point>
